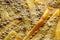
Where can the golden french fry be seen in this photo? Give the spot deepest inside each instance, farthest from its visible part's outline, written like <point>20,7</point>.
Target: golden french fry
<point>56,14</point>
<point>39,24</point>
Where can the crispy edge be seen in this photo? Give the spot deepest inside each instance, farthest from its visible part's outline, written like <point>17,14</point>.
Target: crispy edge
<point>57,13</point>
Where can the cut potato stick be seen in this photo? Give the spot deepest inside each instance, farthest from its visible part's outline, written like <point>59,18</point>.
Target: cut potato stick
<point>56,14</point>
<point>57,33</point>
<point>39,24</point>
<point>12,33</point>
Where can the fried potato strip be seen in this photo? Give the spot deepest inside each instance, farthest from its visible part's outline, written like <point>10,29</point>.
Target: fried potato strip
<point>39,24</point>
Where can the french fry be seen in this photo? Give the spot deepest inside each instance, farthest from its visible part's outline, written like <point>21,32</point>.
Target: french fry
<point>12,33</point>
<point>39,24</point>
<point>57,33</point>
<point>56,14</point>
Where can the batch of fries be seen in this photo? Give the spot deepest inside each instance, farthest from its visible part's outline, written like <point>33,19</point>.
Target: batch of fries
<point>29,20</point>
